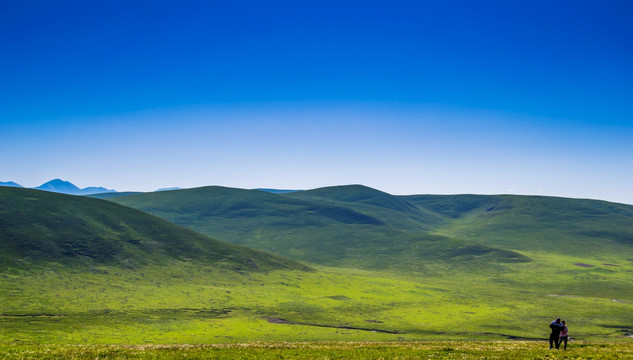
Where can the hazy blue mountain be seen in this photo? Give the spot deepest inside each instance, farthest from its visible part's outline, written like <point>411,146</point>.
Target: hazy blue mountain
<point>65,187</point>
<point>60,186</point>
<point>10,184</point>
<point>95,190</point>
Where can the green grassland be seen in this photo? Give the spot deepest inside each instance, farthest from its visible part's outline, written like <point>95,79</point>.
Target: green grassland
<point>197,305</point>
<point>377,272</point>
<point>324,350</point>
<point>560,246</point>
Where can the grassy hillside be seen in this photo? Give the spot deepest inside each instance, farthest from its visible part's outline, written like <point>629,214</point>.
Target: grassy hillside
<point>360,226</point>
<point>344,226</point>
<point>356,226</point>
<point>536,223</point>
<point>524,223</point>
<point>511,246</point>
<point>38,227</point>
<point>445,288</point>
<point>396,211</point>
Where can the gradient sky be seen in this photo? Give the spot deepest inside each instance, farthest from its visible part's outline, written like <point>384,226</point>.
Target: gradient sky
<point>409,97</point>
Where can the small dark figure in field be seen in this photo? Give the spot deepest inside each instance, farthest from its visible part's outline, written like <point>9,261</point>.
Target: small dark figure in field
<point>563,335</point>
<point>554,338</point>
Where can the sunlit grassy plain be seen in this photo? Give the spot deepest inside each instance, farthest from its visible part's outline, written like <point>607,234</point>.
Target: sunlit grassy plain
<point>198,305</point>
<point>329,313</point>
<point>421,301</point>
<point>324,350</point>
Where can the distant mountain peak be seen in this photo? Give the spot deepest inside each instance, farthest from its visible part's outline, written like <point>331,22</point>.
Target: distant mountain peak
<point>66,187</point>
<point>59,186</point>
<point>10,184</point>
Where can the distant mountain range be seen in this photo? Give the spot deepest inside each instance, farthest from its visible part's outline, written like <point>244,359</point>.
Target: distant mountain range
<point>63,187</point>
<point>66,187</point>
<point>10,184</point>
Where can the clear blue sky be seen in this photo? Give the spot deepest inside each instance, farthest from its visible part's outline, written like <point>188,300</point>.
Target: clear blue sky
<point>410,97</point>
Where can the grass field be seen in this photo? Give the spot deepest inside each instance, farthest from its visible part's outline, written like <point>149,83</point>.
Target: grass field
<point>325,350</point>
<point>196,305</point>
<point>397,298</point>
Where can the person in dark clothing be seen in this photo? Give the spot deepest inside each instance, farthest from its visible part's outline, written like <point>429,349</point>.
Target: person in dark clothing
<point>554,337</point>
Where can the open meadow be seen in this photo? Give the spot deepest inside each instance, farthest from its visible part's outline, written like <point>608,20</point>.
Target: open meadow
<point>463,350</point>
<point>197,305</point>
<point>89,278</point>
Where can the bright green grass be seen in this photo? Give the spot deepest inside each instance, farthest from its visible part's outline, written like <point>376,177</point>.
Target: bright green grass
<point>325,350</point>
<point>408,293</point>
<point>185,303</point>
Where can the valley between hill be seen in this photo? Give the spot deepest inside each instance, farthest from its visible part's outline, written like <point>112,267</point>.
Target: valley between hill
<point>365,281</point>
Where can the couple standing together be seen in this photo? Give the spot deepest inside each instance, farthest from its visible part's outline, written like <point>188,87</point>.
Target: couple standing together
<point>558,335</point>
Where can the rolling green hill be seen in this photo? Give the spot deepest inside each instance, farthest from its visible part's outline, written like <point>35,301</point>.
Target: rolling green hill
<point>38,226</point>
<point>536,223</point>
<point>395,211</point>
<point>81,270</point>
<point>345,226</point>
<point>359,226</point>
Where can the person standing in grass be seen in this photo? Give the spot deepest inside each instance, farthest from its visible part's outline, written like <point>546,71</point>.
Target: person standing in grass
<point>563,335</point>
<point>554,337</point>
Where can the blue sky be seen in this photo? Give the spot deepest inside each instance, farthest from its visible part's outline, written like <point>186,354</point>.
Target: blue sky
<point>410,97</point>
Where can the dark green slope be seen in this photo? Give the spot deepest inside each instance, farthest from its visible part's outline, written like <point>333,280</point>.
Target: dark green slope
<point>196,206</point>
<point>456,206</point>
<point>536,223</point>
<point>396,211</point>
<point>367,228</point>
<point>302,230</point>
<point>38,227</point>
